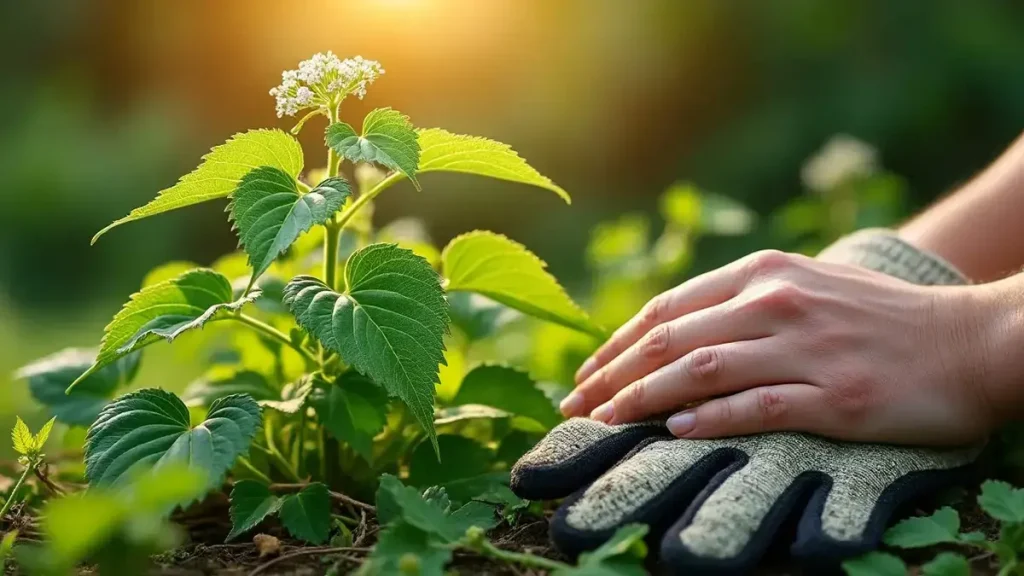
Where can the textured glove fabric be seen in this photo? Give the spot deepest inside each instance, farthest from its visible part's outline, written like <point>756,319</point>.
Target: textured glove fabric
<point>714,506</point>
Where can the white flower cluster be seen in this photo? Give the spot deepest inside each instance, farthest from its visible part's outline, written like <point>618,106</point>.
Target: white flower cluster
<point>323,81</point>
<point>842,158</point>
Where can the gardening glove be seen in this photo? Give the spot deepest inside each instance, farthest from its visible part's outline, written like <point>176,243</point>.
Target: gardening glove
<point>717,504</point>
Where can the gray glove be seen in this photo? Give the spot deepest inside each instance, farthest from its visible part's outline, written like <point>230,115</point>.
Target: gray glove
<point>716,505</point>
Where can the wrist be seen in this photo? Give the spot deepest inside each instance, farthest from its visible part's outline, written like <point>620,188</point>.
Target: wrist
<point>994,323</point>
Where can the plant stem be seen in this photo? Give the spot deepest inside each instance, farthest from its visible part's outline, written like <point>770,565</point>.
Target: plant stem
<point>14,492</point>
<point>365,198</point>
<point>331,237</point>
<point>485,548</point>
<point>270,331</point>
<point>253,470</point>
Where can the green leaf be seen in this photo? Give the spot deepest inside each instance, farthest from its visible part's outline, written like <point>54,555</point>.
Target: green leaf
<point>505,271</point>
<point>508,389</point>
<point>477,316</point>
<point>388,138</point>
<point>270,214</point>
<point>221,171</point>
<point>405,546</point>
<point>354,410</point>
<point>973,537</point>
<point>441,150</point>
<point>39,440</point>
<point>251,502</point>
<point>1002,501</point>
<point>465,470</point>
<point>151,428</point>
<point>621,555</point>
<point>942,526</point>
<point>397,502</point>
<point>21,438</point>
<point>947,564</point>
<point>307,514</point>
<point>6,546</point>
<point>166,310</point>
<point>389,324</point>
<point>48,378</point>
<point>687,207</point>
<point>292,398</point>
<point>221,381</point>
<point>875,564</point>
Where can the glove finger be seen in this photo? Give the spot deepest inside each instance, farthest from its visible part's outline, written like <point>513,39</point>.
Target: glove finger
<point>730,525</point>
<point>651,486</point>
<point>574,454</point>
<point>867,486</point>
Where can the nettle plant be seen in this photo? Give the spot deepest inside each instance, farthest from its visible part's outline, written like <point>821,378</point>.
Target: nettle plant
<point>324,336</point>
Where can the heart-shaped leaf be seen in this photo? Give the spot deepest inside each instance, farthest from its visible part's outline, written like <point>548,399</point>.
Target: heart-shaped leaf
<point>270,214</point>
<point>441,150</point>
<point>251,502</point>
<point>221,171</point>
<point>389,323</point>
<point>507,389</point>
<point>354,410</point>
<point>48,378</point>
<point>505,271</point>
<point>388,138</point>
<point>166,310</point>
<point>151,428</point>
<point>307,514</point>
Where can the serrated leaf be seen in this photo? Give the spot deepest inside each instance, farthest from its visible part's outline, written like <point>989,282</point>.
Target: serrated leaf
<point>389,324</point>
<point>354,410</point>
<point>942,526</point>
<point>221,170</point>
<point>1002,501</point>
<point>307,514</point>
<point>21,438</point>
<point>251,502</point>
<point>270,214</point>
<point>166,310</point>
<point>292,398</point>
<point>40,438</point>
<point>621,555</point>
<point>875,564</point>
<point>48,377</point>
<point>405,545</point>
<point>507,389</point>
<point>441,150</point>
<point>463,471</point>
<point>151,428</point>
<point>399,503</point>
<point>947,564</point>
<point>388,138</point>
<point>221,381</point>
<point>505,271</point>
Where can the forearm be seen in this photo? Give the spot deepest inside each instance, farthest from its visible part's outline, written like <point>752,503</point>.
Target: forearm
<point>978,228</point>
<point>994,337</point>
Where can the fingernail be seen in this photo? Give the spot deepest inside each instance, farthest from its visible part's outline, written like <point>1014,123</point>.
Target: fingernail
<point>571,405</point>
<point>585,369</point>
<point>604,412</point>
<point>682,423</point>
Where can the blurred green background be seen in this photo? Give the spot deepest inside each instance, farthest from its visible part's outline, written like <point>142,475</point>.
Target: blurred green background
<point>105,102</point>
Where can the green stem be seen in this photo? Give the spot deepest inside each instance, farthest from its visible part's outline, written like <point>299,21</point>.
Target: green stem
<point>275,455</point>
<point>302,444</point>
<point>271,332</point>
<point>485,548</point>
<point>253,470</point>
<point>14,492</point>
<point>367,197</point>
<point>331,238</point>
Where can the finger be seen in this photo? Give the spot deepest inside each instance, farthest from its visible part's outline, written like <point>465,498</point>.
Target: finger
<point>762,409</point>
<point>702,374</point>
<point>663,344</point>
<point>695,294</point>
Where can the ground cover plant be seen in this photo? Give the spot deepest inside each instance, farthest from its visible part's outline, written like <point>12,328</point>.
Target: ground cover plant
<point>366,391</point>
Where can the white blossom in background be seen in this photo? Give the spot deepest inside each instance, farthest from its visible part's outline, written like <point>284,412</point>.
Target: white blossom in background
<point>842,158</point>
<point>323,81</point>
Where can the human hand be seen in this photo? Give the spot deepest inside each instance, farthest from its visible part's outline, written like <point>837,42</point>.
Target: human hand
<point>778,341</point>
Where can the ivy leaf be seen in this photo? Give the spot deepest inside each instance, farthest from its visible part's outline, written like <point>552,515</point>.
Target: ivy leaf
<point>947,564</point>
<point>388,138</point>
<point>397,502</point>
<point>441,150</point>
<point>621,555</point>
<point>875,564</point>
<point>221,170</point>
<point>166,310</point>
<point>508,389</point>
<point>48,378</point>
<point>389,323</point>
<point>21,438</point>
<point>251,502</point>
<point>354,410</point>
<point>942,526</point>
<point>505,271</point>
<point>307,514</point>
<point>270,214</point>
<point>1002,501</point>
<point>221,381</point>
<point>151,428</point>
<point>405,549</point>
